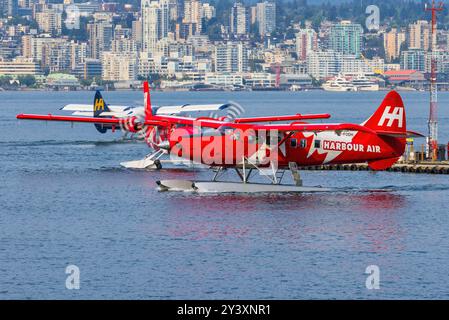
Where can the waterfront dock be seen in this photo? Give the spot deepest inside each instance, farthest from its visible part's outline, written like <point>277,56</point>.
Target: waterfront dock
<point>421,167</point>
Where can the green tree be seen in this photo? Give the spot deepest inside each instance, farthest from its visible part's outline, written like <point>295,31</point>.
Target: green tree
<point>27,80</point>
<point>5,81</point>
<point>86,82</point>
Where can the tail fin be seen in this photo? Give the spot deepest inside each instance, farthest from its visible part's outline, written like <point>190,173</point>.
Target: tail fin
<point>147,101</point>
<point>389,122</point>
<point>99,105</point>
<point>389,118</point>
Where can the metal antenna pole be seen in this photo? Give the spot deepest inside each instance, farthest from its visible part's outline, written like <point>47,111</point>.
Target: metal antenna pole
<point>432,139</point>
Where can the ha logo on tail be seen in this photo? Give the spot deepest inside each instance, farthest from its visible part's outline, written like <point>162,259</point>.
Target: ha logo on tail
<point>396,115</point>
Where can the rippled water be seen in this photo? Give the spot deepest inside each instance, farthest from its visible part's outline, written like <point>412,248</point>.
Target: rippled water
<point>65,200</point>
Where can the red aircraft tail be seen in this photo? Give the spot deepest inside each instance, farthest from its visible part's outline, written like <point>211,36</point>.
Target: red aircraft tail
<point>389,118</point>
<point>389,122</point>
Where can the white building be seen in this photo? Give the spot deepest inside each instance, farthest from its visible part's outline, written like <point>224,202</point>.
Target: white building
<point>260,80</point>
<point>351,65</point>
<point>119,66</point>
<point>323,64</point>
<point>223,79</point>
<point>145,65</point>
<point>19,66</point>
<point>231,57</point>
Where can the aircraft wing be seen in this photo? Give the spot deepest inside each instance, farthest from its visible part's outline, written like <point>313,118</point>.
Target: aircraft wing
<point>210,123</point>
<point>51,117</point>
<point>315,127</point>
<point>94,120</point>
<point>171,110</point>
<point>103,114</point>
<point>295,117</point>
<point>121,111</point>
<point>89,107</point>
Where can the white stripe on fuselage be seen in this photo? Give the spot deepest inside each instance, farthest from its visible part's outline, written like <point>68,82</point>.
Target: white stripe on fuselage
<point>328,136</point>
<point>333,144</point>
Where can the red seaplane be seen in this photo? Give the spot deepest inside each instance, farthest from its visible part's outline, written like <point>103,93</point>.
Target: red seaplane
<point>248,145</point>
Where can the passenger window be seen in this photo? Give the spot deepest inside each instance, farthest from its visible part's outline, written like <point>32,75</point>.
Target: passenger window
<point>303,143</point>
<point>317,144</point>
<point>293,143</point>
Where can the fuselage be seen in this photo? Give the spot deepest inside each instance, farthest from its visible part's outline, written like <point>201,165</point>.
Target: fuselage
<point>231,148</point>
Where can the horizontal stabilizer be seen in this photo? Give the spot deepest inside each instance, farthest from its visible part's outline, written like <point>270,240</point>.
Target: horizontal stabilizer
<point>407,134</point>
<point>414,134</point>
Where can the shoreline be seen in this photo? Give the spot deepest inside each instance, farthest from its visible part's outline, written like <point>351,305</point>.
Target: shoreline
<point>403,89</point>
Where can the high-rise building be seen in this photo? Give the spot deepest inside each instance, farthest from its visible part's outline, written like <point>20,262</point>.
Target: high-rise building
<point>155,23</point>
<point>100,37</point>
<point>56,55</point>
<point>239,19</point>
<point>306,42</point>
<point>124,45</point>
<point>207,11</point>
<point>24,3</point>
<point>9,8</point>
<point>266,17</point>
<point>192,11</point>
<point>346,38</point>
<point>193,15</point>
<point>137,33</point>
<point>49,20</point>
<point>33,47</point>
<point>173,10</point>
<point>253,15</point>
<point>164,7</point>
<point>413,59</point>
<point>419,35</point>
<point>231,57</point>
<point>78,53</point>
<point>26,46</point>
<point>393,41</point>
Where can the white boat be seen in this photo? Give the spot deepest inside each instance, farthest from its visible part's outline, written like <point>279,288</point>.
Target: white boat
<point>339,84</point>
<point>362,83</point>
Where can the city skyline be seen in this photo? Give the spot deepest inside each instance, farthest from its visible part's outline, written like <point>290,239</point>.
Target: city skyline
<point>171,43</point>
